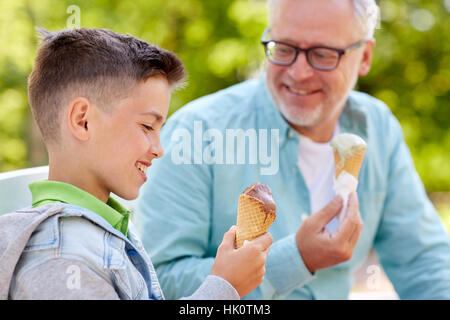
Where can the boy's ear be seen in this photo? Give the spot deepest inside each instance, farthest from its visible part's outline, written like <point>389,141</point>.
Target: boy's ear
<point>78,118</point>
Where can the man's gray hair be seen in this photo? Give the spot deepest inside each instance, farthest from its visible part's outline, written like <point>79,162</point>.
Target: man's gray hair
<point>366,14</point>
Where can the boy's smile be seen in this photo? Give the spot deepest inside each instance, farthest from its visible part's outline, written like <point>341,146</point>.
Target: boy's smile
<point>143,168</point>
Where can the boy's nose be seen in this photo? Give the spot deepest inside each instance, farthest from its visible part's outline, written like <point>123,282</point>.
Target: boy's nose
<point>157,150</point>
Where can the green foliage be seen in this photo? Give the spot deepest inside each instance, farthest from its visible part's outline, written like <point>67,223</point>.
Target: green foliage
<point>411,73</point>
<point>219,44</point>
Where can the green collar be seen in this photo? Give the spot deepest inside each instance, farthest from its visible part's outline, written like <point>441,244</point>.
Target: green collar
<point>46,191</point>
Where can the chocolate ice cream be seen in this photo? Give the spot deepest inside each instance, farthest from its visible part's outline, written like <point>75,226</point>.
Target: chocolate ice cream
<point>263,193</point>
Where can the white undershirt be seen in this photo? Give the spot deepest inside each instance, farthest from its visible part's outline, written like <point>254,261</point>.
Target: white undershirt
<point>316,163</point>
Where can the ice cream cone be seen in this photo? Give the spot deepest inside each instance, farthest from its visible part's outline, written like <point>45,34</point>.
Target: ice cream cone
<point>352,164</point>
<point>253,219</point>
<point>349,150</point>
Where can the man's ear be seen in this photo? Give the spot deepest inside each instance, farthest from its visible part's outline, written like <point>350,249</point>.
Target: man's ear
<point>78,117</point>
<point>366,59</point>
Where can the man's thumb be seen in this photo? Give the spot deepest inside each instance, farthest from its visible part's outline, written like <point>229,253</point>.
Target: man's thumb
<point>327,213</point>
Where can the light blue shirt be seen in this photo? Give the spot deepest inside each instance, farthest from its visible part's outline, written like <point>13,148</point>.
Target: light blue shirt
<point>184,209</point>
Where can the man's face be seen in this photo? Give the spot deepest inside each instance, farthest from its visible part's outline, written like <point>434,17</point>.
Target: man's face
<point>305,96</point>
<point>127,139</point>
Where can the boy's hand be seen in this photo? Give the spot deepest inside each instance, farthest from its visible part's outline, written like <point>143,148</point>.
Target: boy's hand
<point>243,268</point>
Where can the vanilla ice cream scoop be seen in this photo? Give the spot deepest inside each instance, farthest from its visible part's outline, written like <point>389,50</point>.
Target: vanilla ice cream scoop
<point>347,143</point>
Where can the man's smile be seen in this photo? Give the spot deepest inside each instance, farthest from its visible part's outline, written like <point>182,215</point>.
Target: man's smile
<point>301,92</point>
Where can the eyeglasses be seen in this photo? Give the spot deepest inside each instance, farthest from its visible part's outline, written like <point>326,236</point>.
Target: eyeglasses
<point>320,58</point>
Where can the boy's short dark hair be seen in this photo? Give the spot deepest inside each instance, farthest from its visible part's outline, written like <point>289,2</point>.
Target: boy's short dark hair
<point>98,64</point>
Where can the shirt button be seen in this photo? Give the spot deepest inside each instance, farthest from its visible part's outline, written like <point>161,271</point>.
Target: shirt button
<point>132,252</point>
<point>291,133</point>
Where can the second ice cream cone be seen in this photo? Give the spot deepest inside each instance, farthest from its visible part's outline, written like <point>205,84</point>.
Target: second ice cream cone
<point>352,164</point>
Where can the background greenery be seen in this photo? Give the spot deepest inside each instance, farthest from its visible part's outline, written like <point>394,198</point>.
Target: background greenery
<point>218,41</point>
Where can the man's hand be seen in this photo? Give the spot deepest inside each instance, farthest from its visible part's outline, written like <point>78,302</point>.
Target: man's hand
<point>320,249</point>
<point>243,268</point>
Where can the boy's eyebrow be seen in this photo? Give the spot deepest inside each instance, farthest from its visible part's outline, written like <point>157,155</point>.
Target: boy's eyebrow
<point>158,117</point>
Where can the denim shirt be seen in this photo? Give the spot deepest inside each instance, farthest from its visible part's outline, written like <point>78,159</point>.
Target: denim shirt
<point>196,203</point>
<point>78,234</point>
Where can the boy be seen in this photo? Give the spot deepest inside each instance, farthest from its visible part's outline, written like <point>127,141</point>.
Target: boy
<point>100,100</point>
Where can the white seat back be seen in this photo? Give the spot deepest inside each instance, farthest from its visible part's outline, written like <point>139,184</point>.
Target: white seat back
<point>14,192</point>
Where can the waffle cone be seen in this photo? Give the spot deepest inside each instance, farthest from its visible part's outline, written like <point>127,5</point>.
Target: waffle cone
<point>352,164</point>
<point>252,220</point>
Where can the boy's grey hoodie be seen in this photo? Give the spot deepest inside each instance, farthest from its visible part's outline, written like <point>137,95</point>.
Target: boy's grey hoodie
<point>38,244</point>
<point>15,231</point>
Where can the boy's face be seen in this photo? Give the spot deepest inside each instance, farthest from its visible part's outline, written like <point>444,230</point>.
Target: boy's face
<point>124,142</point>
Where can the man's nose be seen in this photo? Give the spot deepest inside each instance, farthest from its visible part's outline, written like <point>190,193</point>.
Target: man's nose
<point>300,69</point>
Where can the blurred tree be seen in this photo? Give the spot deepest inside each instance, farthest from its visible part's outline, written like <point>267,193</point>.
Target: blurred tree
<point>411,73</point>
<point>219,44</point>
